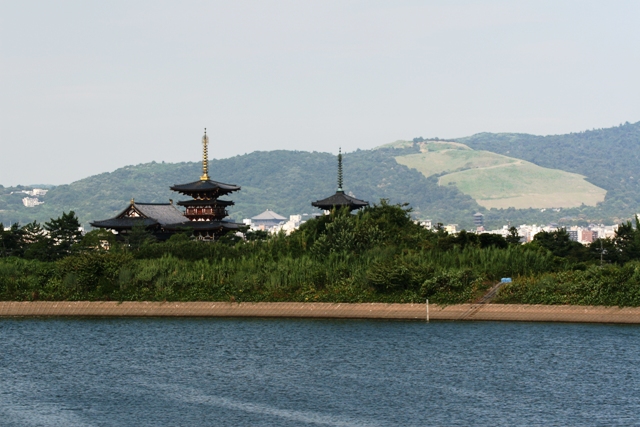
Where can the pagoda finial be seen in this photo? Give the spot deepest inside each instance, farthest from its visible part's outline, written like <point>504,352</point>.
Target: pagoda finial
<point>205,157</point>
<point>340,169</point>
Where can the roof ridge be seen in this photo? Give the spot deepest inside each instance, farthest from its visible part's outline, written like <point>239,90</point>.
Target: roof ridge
<point>155,204</point>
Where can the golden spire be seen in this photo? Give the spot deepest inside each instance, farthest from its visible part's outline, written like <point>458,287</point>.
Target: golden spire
<point>205,157</point>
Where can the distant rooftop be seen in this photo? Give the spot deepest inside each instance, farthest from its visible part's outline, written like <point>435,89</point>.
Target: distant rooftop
<point>268,215</point>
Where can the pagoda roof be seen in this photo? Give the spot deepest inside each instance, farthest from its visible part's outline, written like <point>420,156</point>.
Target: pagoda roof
<point>204,225</point>
<point>339,200</point>
<point>268,215</point>
<point>206,203</point>
<point>205,186</point>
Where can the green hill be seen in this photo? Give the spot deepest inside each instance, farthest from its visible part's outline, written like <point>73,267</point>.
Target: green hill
<point>499,181</point>
<point>284,181</point>
<point>608,158</point>
<point>288,181</point>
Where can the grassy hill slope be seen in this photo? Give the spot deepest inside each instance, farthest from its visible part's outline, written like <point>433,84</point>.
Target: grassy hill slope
<point>609,158</point>
<point>499,181</point>
<point>524,185</point>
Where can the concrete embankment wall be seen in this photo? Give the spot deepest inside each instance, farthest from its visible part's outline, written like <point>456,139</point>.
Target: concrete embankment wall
<point>499,312</point>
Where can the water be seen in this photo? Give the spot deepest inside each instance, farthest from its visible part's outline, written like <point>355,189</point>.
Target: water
<point>260,372</point>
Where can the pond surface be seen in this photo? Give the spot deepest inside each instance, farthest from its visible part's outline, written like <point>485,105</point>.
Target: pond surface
<point>264,372</point>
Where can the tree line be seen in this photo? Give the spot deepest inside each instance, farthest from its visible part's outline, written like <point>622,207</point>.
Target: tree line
<point>378,254</point>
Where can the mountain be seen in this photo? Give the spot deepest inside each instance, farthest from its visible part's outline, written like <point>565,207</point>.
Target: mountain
<point>283,181</point>
<point>288,181</point>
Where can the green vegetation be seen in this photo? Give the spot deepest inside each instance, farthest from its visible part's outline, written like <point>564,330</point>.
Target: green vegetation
<point>32,241</point>
<point>379,254</point>
<point>437,158</point>
<point>609,286</point>
<point>497,181</point>
<point>525,185</point>
<point>376,255</point>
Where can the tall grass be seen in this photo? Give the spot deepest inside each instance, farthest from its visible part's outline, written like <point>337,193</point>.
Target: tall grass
<point>268,271</point>
<point>494,263</point>
<point>610,286</point>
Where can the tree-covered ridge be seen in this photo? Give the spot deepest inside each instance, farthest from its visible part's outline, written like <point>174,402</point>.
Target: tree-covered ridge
<point>288,181</point>
<point>284,181</point>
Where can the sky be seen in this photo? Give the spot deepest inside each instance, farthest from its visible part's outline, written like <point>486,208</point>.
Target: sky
<point>87,87</point>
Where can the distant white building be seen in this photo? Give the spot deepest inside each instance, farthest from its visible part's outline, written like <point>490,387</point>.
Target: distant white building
<point>36,192</point>
<point>451,228</point>
<point>424,223</point>
<point>266,220</point>
<point>31,202</point>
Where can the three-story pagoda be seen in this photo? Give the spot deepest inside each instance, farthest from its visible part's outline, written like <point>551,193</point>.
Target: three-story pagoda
<point>340,199</point>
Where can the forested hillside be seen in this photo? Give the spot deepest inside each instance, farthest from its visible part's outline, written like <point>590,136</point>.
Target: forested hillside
<point>288,181</point>
<point>284,181</point>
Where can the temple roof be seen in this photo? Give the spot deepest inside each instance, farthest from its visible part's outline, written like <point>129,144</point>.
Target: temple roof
<point>208,187</point>
<point>164,213</point>
<point>143,214</point>
<point>206,203</point>
<point>127,223</point>
<point>268,215</point>
<point>339,200</point>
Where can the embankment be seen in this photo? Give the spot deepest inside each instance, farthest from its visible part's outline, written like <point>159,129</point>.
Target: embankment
<point>466,312</point>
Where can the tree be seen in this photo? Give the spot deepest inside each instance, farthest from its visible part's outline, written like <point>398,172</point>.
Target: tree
<point>139,236</point>
<point>492,240</point>
<point>96,240</point>
<point>513,238</point>
<point>560,244</point>
<point>64,232</point>
<point>35,242</point>
<point>11,241</point>
<point>627,242</point>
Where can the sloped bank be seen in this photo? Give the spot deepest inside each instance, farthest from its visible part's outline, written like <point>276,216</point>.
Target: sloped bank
<point>463,312</point>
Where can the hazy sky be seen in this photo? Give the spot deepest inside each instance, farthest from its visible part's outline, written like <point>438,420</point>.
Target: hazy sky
<point>88,86</point>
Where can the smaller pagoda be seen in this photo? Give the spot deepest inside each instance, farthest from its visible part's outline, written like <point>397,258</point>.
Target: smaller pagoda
<point>340,199</point>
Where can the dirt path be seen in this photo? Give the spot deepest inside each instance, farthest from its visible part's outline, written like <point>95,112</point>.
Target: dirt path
<point>500,312</point>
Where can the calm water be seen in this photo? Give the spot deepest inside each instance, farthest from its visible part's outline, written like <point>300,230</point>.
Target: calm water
<point>231,372</point>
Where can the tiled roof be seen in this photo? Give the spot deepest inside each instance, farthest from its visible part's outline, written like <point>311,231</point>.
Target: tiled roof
<point>268,215</point>
<point>124,223</point>
<point>338,200</point>
<point>212,202</point>
<point>163,213</point>
<point>205,186</point>
<point>150,214</point>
